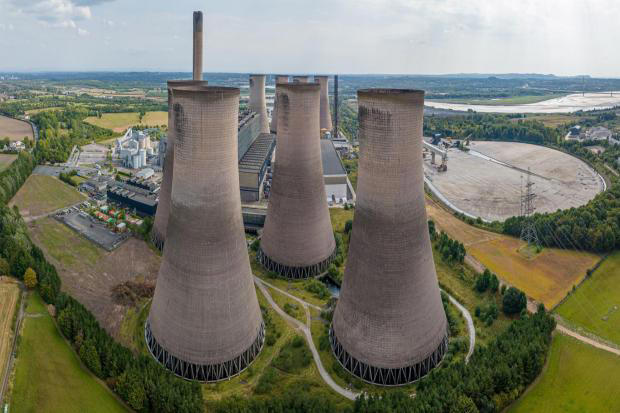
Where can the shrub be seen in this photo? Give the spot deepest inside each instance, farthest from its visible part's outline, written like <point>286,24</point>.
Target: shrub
<point>514,301</point>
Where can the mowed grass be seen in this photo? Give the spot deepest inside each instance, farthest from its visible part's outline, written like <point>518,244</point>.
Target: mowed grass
<point>547,277</point>
<point>48,374</point>
<point>15,130</point>
<point>595,305</point>
<point>43,194</point>
<point>6,160</point>
<point>9,296</point>
<point>119,122</point>
<point>578,378</point>
<point>56,237</point>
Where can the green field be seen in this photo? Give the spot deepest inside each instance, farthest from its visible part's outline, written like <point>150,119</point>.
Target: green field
<point>48,374</point>
<point>578,378</point>
<point>42,194</point>
<point>56,236</point>
<point>6,160</point>
<point>595,305</point>
<point>119,122</point>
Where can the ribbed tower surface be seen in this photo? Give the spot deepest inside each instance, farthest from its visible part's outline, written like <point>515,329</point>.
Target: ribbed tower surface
<point>257,102</point>
<point>274,112</point>
<point>389,326</point>
<point>297,240</point>
<point>158,232</point>
<point>300,79</point>
<point>205,323</point>
<point>326,116</point>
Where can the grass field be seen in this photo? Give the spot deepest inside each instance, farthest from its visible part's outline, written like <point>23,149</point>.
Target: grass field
<point>577,379</point>
<point>9,297</point>
<point>595,305</point>
<point>15,129</point>
<point>58,236</point>
<point>42,194</point>
<point>119,122</point>
<point>48,374</point>
<point>6,160</point>
<point>546,277</point>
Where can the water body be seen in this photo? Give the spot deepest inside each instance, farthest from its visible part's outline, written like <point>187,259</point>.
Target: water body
<point>564,104</point>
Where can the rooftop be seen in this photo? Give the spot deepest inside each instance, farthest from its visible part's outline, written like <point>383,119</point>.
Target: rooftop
<point>257,154</point>
<point>331,161</point>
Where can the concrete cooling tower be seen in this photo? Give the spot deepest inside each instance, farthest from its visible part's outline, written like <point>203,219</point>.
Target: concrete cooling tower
<point>326,117</point>
<point>205,323</point>
<point>258,103</point>
<point>158,233</point>
<point>389,326</point>
<point>298,240</point>
<point>274,113</point>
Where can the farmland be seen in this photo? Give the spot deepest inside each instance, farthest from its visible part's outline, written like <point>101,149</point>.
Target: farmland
<point>577,378</point>
<point>9,293</point>
<point>546,277</point>
<point>119,122</point>
<point>48,374</point>
<point>595,305</point>
<point>15,129</point>
<point>42,194</point>
<point>6,160</point>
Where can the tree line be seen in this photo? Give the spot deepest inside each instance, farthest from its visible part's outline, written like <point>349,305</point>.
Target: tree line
<point>591,227</point>
<point>12,178</point>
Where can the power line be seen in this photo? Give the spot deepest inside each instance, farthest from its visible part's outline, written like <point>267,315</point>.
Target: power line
<point>528,230</point>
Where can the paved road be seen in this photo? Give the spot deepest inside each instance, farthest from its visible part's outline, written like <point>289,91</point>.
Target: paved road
<point>567,331</point>
<point>306,331</point>
<point>9,364</point>
<point>47,214</point>
<point>470,326</point>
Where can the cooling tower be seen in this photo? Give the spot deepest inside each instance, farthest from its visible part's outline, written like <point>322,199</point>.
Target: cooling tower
<point>257,100</point>
<point>205,323</point>
<point>297,240</point>
<point>326,117</point>
<point>158,233</point>
<point>198,37</point>
<point>300,79</point>
<point>389,326</point>
<point>274,112</point>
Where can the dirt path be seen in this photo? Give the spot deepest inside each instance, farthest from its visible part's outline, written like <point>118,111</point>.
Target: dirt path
<point>30,219</point>
<point>567,331</point>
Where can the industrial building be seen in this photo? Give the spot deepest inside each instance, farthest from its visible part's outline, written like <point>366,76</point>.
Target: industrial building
<point>253,167</point>
<point>205,323</point>
<point>389,325</point>
<point>338,188</point>
<point>160,224</point>
<point>143,201</point>
<point>134,149</point>
<point>298,240</point>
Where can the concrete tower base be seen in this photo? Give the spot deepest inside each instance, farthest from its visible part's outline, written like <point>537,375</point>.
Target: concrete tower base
<point>386,376</point>
<point>295,273</point>
<point>204,372</point>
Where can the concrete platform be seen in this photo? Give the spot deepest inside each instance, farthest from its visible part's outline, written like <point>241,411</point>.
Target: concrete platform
<point>486,181</point>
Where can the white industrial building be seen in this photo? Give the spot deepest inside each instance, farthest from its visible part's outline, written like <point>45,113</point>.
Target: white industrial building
<point>134,149</point>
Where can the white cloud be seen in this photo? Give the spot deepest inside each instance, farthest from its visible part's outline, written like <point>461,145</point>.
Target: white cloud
<point>82,32</point>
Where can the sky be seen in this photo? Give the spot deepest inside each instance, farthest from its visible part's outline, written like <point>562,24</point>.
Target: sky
<point>562,37</point>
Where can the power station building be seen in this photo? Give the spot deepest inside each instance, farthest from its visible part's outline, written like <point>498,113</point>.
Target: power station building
<point>389,326</point>
<point>298,240</point>
<point>205,323</point>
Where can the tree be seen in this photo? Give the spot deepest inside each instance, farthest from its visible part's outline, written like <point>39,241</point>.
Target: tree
<point>5,269</point>
<point>514,301</point>
<point>90,357</point>
<point>348,226</point>
<point>431,229</point>
<point>30,278</point>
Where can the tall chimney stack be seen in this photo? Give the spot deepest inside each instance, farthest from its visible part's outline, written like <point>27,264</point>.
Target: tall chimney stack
<point>335,132</point>
<point>198,36</point>
<point>389,326</point>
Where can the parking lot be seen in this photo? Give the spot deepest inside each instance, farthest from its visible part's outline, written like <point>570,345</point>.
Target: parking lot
<point>92,229</point>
